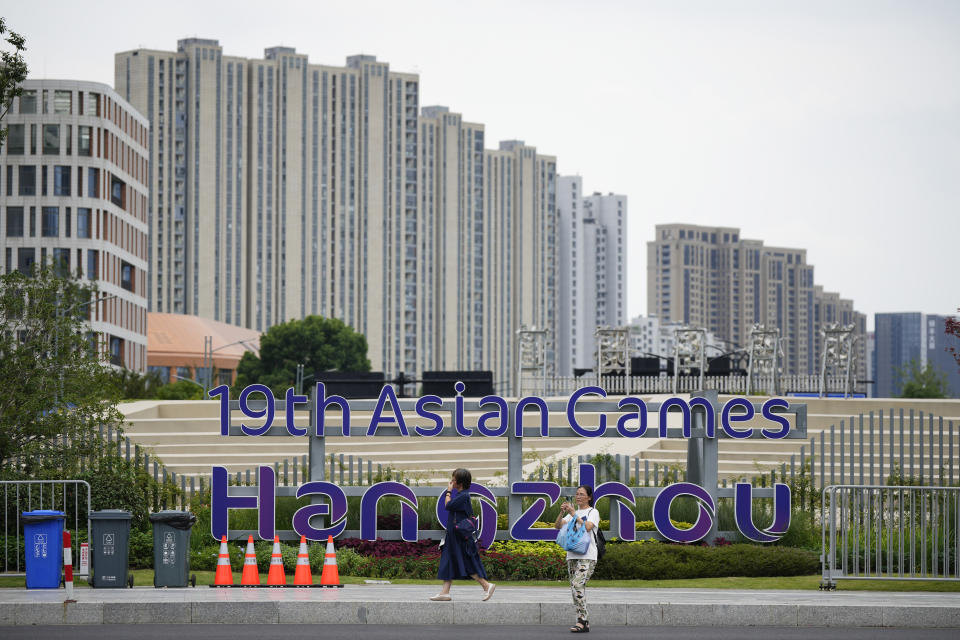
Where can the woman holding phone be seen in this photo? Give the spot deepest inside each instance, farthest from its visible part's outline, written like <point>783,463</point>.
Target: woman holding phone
<point>580,566</point>
<point>458,556</point>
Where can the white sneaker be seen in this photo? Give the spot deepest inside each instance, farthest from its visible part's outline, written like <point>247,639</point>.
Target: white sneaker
<point>489,592</point>
<point>441,597</point>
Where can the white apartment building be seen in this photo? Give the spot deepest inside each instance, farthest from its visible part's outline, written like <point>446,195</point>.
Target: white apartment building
<point>592,231</point>
<point>74,192</point>
<point>283,188</point>
<point>711,277</point>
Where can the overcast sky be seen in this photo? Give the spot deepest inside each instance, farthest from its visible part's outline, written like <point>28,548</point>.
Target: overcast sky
<point>831,126</point>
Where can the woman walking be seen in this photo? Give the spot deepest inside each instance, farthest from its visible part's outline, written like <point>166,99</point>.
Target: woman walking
<point>459,558</point>
<point>580,566</point>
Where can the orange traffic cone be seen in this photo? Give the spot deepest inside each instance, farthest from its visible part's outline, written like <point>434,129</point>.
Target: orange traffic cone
<point>302,575</point>
<point>276,577</point>
<point>224,576</point>
<point>330,576</point>
<point>250,577</point>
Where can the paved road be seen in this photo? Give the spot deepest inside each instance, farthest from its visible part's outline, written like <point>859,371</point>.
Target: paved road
<point>485,632</point>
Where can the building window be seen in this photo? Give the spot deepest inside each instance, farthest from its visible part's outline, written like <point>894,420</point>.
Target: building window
<point>50,222</point>
<point>62,101</point>
<point>28,180</point>
<point>14,222</point>
<point>91,104</point>
<point>93,182</point>
<point>116,351</point>
<point>26,256</point>
<point>15,140</point>
<point>83,222</point>
<point>117,191</point>
<point>61,180</point>
<point>85,133</point>
<point>28,101</point>
<point>127,273</point>
<point>93,256</point>
<point>162,372</point>
<point>51,139</point>
<point>61,262</point>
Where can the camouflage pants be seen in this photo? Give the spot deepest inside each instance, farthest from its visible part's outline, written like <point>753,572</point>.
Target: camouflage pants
<point>580,571</point>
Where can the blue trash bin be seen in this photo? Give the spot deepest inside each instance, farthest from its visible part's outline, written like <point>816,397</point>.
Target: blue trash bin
<point>43,541</point>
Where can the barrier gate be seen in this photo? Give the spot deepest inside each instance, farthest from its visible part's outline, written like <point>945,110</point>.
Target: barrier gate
<point>876,532</point>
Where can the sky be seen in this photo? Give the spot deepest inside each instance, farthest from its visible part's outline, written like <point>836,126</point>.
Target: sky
<point>830,126</point>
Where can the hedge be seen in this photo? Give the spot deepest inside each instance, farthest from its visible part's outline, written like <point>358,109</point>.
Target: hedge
<point>660,561</point>
<point>510,560</point>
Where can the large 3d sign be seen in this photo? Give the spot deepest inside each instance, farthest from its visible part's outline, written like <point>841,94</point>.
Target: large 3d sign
<point>332,505</point>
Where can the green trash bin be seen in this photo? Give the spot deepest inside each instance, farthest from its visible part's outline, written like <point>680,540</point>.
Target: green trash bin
<point>110,549</point>
<point>171,548</point>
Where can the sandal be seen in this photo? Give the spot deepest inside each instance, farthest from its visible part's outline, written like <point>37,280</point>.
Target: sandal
<point>582,626</point>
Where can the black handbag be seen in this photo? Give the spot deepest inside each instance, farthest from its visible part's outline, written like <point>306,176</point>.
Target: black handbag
<point>601,544</point>
<point>467,528</point>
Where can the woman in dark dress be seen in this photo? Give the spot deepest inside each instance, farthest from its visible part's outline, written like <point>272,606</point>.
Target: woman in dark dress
<point>459,558</point>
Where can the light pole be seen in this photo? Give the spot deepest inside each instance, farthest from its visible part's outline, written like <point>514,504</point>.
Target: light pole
<point>612,351</point>
<point>208,352</point>
<point>764,352</point>
<point>688,345</point>
<point>531,355</point>
<point>56,334</point>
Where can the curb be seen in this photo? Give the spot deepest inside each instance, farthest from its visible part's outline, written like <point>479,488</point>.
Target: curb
<point>477,613</point>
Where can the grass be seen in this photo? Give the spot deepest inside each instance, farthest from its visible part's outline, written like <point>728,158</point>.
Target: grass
<point>144,577</point>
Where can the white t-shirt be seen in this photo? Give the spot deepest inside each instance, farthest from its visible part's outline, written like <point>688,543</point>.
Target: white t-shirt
<point>592,515</point>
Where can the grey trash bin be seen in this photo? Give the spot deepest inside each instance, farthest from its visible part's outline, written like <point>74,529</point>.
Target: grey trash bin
<point>110,548</point>
<point>171,548</point>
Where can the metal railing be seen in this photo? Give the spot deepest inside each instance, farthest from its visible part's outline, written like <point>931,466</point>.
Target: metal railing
<point>875,532</point>
<point>70,496</point>
<point>732,384</point>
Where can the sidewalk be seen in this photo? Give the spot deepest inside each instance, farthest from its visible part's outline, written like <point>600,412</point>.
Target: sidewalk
<point>409,604</point>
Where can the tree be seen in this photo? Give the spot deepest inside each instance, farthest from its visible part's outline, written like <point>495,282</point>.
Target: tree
<point>135,386</point>
<point>320,344</point>
<point>57,393</point>
<point>181,390</point>
<point>922,383</point>
<point>953,329</point>
<point>13,71</point>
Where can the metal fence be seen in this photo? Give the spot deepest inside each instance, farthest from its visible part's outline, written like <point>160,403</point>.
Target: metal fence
<point>70,496</point>
<point>890,532</point>
<point>731,385</point>
<point>911,448</point>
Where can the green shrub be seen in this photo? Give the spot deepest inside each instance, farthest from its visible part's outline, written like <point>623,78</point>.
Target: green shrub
<point>141,550</point>
<point>657,561</point>
<point>205,558</point>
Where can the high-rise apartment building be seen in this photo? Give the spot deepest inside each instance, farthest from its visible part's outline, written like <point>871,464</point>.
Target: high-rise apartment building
<point>901,338</point>
<point>283,188</point>
<point>521,266</point>
<point>592,270</point>
<point>711,277</point>
<point>74,192</point>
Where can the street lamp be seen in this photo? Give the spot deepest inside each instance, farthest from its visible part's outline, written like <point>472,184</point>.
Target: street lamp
<point>531,355</point>
<point>56,333</point>
<point>208,352</point>
<point>689,346</point>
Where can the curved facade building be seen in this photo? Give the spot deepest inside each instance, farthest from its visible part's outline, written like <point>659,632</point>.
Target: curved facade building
<point>73,188</point>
